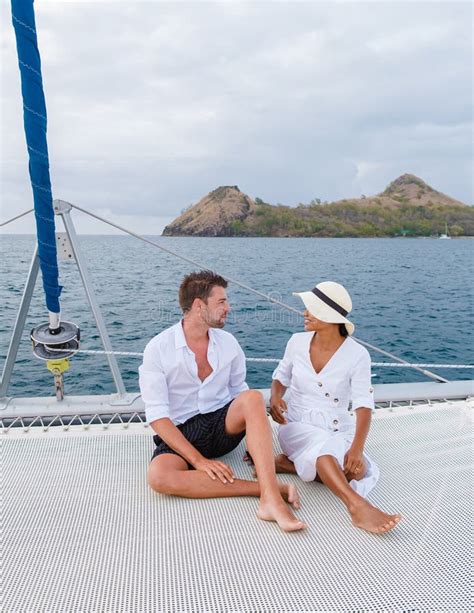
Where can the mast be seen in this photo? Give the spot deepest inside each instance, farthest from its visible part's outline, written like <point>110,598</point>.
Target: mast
<point>35,124</point>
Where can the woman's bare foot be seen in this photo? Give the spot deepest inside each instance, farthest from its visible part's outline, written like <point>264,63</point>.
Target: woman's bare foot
<point>277,510</point>
<point>284,465</point>
<point>366,516</point>
<point>290,494</point>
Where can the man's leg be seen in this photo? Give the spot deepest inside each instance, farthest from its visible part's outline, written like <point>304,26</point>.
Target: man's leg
<point>363,514</point>
<point>168,474</point>
<point>247,412</point>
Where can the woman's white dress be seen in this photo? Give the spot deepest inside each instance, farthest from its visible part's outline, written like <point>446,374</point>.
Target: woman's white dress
<point>320,418</point>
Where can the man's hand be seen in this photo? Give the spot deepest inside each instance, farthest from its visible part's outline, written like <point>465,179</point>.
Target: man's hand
<point>278,409</point>
<point>215,469</point>
<point>354,460</point>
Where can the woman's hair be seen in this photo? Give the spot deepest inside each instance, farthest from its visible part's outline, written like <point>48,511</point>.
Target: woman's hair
<point>198,285</point>
<point>343,330</point>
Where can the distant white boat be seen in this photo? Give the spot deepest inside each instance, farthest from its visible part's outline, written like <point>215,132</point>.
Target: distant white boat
<point>445,235</point>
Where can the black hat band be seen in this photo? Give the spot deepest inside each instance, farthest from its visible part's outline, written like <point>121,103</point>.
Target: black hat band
<point>329,302</point>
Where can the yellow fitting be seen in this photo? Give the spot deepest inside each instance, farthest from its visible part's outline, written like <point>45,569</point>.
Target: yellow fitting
<point>57,367</point>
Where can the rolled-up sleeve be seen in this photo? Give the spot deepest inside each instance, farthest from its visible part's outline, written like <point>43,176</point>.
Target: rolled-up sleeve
<point>362,392</point>
<point>153,385</point>
<point>284,369</point>
<point>238,372</point>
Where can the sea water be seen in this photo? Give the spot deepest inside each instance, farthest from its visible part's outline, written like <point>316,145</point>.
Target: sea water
<point>412,297</point>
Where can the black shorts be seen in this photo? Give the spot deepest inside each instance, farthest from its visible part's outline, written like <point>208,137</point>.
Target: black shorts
<point>206,432</point>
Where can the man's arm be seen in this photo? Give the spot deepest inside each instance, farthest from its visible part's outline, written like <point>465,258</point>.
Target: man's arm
<point>238,373</point>
<point>174,438</point>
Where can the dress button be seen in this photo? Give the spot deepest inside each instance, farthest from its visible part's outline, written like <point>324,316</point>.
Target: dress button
<point>327,395</point>
<point>320,384</point>
<point>336,399</point>
<point>371,390</point>
<point>336,429</point>
<point>335,422</point>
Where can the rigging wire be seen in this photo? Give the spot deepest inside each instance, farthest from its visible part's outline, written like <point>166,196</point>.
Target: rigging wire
<point>189,260</point>
<point>140,354</point>
<point>5,223</point>
<point>247,287</point>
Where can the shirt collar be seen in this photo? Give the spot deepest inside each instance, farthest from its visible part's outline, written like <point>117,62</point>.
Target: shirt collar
<point>180,339</point>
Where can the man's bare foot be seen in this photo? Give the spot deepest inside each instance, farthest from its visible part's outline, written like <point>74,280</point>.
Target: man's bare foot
<point>284,465</point>
<point>366,516</point>
<point>290,494</point>
<point>277,510</point>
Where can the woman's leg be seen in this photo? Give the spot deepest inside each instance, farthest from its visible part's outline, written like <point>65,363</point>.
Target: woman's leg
<point>284,465</point>
<point>363,514</point>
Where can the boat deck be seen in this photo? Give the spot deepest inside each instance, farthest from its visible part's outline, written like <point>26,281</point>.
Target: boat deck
<point>81,530</point>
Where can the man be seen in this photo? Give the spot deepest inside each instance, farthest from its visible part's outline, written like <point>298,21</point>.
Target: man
<point>197,402</point>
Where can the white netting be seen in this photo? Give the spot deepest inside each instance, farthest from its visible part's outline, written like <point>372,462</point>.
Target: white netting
<point>82,532</point>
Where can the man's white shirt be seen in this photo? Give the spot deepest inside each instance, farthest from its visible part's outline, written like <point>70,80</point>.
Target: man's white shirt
<point>169,381</point>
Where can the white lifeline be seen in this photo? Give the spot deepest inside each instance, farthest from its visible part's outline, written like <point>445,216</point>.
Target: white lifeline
<point>319,420</point>
<point>169,381</point>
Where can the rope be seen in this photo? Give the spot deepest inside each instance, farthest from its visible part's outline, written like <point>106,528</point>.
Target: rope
<point>427,373</point>
<point>269,360</point>
<point>5,223</point>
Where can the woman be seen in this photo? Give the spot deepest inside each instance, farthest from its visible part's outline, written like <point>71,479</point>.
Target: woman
<point>320,437</point>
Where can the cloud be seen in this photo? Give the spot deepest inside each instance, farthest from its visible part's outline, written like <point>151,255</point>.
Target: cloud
<point>151,105</point>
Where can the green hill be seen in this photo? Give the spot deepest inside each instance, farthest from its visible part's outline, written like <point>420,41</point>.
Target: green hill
<point>407,207</point>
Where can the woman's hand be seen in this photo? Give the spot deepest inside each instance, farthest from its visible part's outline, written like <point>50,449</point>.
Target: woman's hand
<point>215,469</point>
<point>354,460</point>
<point>278,409</point>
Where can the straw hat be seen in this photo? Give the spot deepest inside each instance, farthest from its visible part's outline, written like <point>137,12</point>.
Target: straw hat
<point>329,302</point>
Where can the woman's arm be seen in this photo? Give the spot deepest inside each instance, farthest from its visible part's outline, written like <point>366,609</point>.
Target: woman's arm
<point>353,460</point>
<point>363,419</point>
<point>281,381</point>
<point>278,406</point>
<point>362,395</point>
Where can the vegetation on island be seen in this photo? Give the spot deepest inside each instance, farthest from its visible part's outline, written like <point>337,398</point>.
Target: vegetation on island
<point>348,219</point>
<point>407,207</point>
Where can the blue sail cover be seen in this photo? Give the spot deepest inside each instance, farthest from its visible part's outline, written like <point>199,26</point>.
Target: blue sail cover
<point>34,116</point>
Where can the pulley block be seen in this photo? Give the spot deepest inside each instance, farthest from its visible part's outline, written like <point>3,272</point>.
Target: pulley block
<point>55,344</point>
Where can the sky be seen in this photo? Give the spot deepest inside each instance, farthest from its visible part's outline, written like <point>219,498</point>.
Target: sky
<point>151,105</point>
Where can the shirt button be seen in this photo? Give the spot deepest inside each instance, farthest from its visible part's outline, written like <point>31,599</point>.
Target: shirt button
<point>320,384</point>
<point>327,395</point>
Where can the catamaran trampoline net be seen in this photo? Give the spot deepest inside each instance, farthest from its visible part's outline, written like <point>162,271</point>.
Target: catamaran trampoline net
<point>81,531</point>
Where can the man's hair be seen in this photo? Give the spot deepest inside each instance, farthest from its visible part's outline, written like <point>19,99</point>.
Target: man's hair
<point>198,285</point>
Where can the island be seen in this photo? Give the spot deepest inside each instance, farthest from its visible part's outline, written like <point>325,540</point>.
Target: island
<point>407,207</point>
